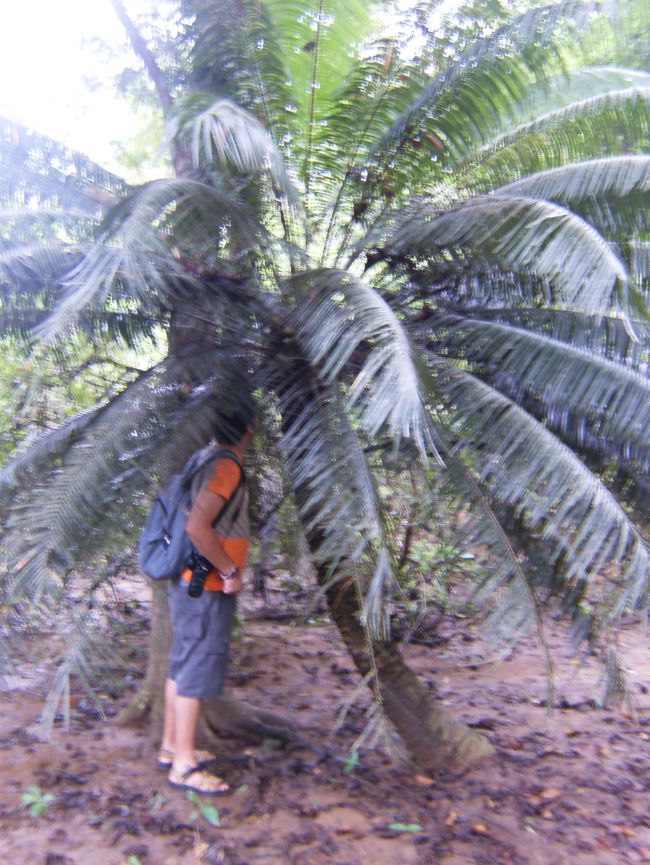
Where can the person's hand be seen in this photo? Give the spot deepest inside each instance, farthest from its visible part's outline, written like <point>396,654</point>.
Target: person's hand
<point>232,585</point>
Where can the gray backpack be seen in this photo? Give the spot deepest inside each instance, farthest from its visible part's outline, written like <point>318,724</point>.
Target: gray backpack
<point>164,547</point>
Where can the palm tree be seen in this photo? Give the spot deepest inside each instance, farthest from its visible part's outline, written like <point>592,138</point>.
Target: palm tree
<point>434,242</point>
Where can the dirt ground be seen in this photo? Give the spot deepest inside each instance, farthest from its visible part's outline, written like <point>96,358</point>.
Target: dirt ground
<point>568,787</point>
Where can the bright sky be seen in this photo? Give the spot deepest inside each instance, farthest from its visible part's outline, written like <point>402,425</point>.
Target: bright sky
<point>44,66</point>
<point>46,62</point>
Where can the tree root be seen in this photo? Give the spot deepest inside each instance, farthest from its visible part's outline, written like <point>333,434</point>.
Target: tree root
<point>137,711</point>
<point>224,716</point>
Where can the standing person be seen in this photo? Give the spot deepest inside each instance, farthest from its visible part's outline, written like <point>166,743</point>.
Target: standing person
<point>202,625</point>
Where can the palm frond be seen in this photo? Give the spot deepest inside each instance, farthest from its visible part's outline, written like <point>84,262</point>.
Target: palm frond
<point>636,253</point>
<point>616,339</point>
<point>603,191</point>
<point>238,53</point>
<point>84,651</point>
<point>35,169</point>
<point>104,459</point>
<point>524,234</point>
<point>527,467</point>
<point>224,132</point>
<point>555,380</point>
<point>509,614</point>
<point>42,453</point>
<point>580,130</point>
<point>533,26</point>
<point>36,264</point>
<point>319,41</point>
<point>344,314</point>
<point>335,488</point>
<point>582,83</point>
<point>140,253</point>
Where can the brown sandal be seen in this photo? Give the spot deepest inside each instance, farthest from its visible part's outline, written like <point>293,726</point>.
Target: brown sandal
<point>166,758</point>
<point>198,781</point>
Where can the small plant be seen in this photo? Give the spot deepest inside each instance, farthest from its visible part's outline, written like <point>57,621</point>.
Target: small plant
<point>208,812</point>
<point>37,801</point>
<point>405,827</point>
<point>351,762</point>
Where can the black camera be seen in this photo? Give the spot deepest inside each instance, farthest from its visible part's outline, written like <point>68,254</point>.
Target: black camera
<point>200,567</point>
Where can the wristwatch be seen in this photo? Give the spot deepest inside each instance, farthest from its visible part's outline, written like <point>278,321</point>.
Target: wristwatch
<point>229,576</point>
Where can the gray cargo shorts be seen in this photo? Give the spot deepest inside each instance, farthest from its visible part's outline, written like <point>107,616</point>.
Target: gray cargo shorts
<point>199,652</point>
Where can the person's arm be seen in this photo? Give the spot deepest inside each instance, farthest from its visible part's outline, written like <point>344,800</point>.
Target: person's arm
<point>206,508</point>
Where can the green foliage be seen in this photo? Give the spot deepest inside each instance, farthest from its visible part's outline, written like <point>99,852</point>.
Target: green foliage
<point>351,762</point>
<point>37,801</point>
<point>208,812</point>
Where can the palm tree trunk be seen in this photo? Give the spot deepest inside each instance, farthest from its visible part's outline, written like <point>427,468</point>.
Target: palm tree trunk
<point>435,739</point>
<point>147,704</point>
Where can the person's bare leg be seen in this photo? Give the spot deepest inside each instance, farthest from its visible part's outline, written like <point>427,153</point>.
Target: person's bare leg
<point>185,773</point>
<point>186,719</point>
<point>169,718</point>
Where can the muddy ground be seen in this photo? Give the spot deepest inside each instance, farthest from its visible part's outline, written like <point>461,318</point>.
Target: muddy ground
<point>568,787</point>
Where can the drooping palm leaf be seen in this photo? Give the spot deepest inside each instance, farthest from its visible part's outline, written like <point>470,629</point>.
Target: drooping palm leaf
<point>605,336</point>
<point>527,467</point>
<point>237,53</point>
<point>344,314</point>
<point>613,193</point>
<point>338,497</point>
<point>224,132</point>
<point>135,256</point>
<point>577,131</point>
<point>525,234</point>
<point>555,380</point>
<point>41,453</point>
<point>105,456</point>
<point>515,36</point>
<point>582,82</point>
<point>37,170</point>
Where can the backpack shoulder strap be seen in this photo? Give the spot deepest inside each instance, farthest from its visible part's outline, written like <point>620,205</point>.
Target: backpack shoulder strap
<point>196,463</point>
<point>224,453</point>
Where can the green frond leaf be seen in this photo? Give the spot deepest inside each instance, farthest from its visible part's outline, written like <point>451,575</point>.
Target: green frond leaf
<point>36,264</point>
<point>524,234</point>
<point>344,314</point>
<point>109,455</point>
<point>140,253</point>
<point>238,53</point>
<point>224,132</point>
<point>336,491</point>
<point>35,169</point>
<point>41,453</point>
<point>585,186</point>
<point>526,466</point>
<point>554,380</point>
<point>534,26</point>
<point>581,130</point>
<point>616,339</point>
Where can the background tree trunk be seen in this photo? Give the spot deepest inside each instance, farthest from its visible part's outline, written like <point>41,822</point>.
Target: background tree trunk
<point>149,701</point>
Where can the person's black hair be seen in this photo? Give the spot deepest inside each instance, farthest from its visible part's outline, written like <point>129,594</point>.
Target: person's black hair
<point>230,429</point>
<point>235,412</point>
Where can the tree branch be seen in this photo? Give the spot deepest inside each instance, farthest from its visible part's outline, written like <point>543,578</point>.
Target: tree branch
<point>146,55</point>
